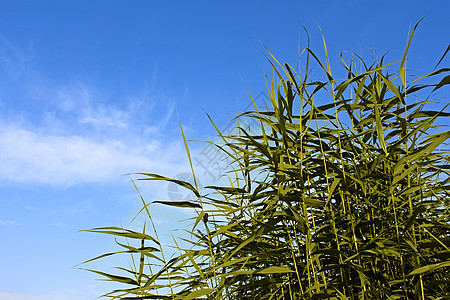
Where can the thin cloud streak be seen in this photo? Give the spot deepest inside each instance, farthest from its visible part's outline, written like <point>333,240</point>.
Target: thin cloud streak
<point>85,293</point>
<point>53,296</point>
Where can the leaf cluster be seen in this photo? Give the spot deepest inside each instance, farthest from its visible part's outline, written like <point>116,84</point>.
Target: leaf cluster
<point>344,200</point>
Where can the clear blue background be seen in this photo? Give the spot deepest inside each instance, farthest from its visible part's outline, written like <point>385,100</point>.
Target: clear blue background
<point>92,90</point>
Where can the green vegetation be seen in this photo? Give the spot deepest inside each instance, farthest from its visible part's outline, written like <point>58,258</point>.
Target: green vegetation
<point>345,200</point>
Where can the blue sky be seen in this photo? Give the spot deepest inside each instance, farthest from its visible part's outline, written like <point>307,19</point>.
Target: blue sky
<point>93,90</point>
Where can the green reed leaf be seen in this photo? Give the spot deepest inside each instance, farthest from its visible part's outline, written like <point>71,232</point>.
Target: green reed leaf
<point>275,270</point>
<point>429,268</point>
<point>179,203</point>
<point>198,293</point>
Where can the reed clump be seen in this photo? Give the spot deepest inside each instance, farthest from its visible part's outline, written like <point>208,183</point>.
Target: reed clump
<point>344,200</point>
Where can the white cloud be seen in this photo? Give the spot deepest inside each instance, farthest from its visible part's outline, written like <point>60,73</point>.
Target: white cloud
<point>77,133</point>
<point>33,157</point>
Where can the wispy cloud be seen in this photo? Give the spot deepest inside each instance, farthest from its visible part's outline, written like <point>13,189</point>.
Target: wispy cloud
<point>88,106</point>
<point>23,296</point>
<point>6,222</point>
<point>74,133</point>
<point>105,116</point>
<point>12,58</point>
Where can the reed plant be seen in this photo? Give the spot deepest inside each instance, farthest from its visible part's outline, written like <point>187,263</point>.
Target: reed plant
<point>344,200</point>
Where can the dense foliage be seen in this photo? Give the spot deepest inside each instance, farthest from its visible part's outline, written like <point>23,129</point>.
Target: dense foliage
<point>345,200</point>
